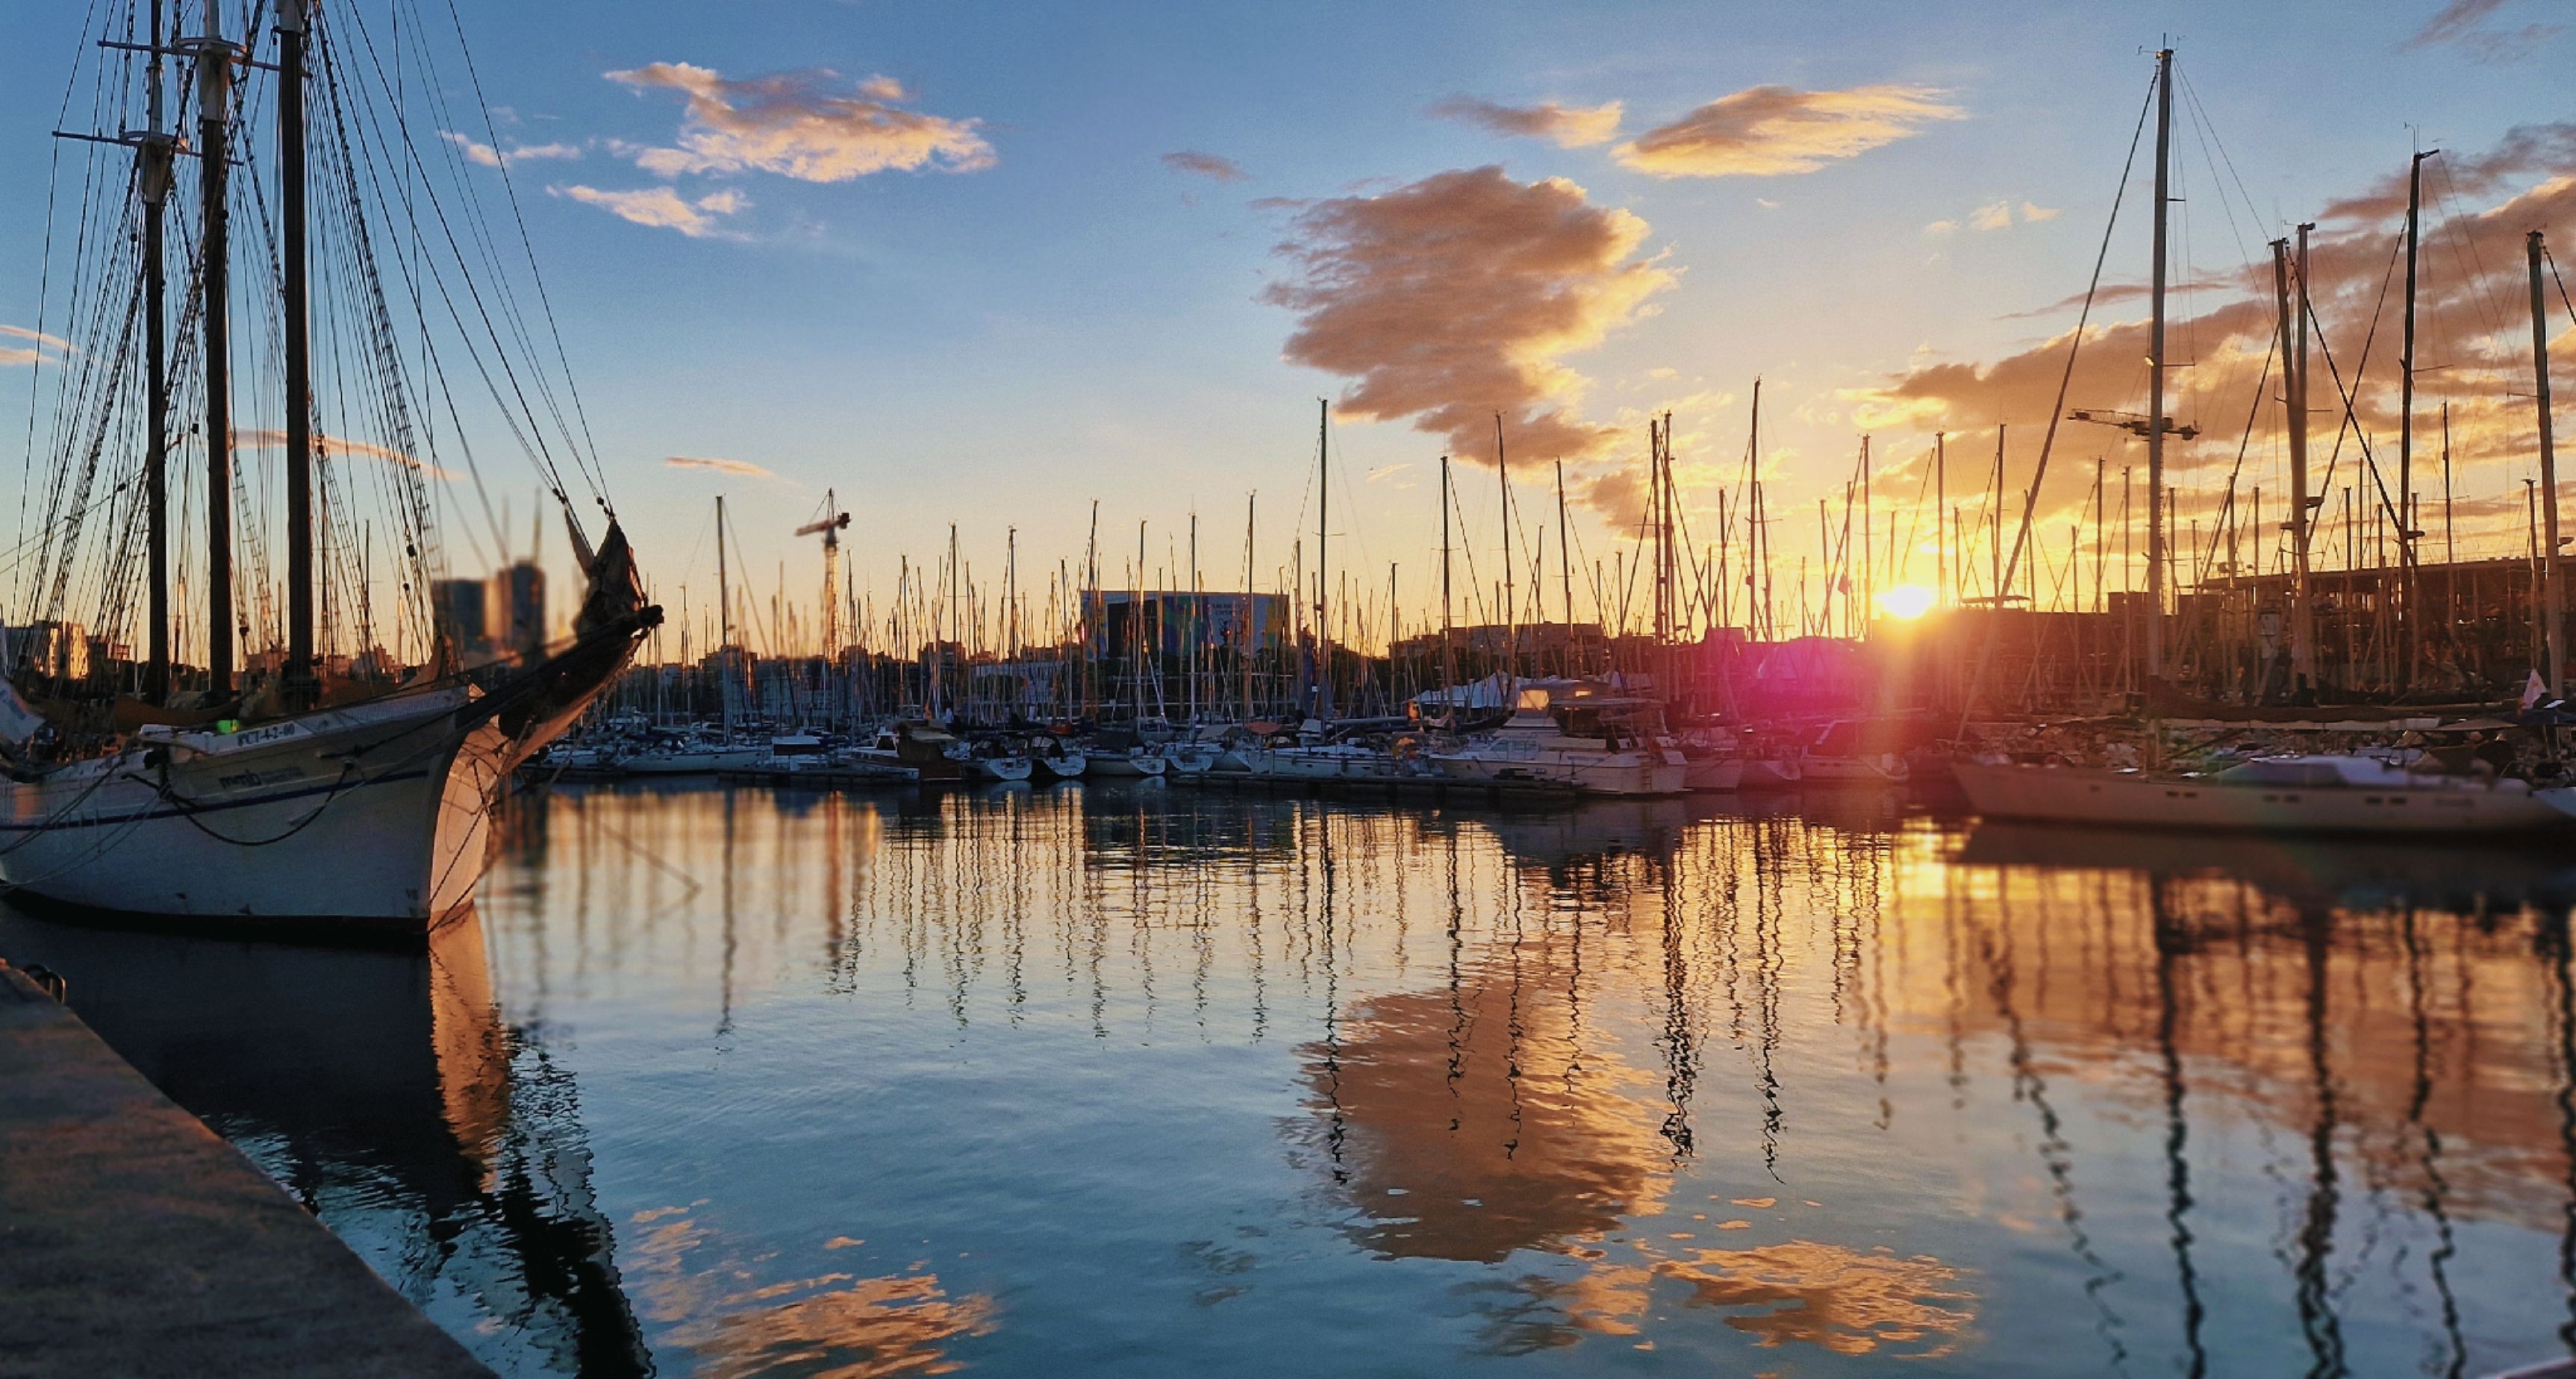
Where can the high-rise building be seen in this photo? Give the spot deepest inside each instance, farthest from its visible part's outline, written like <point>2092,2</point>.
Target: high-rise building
<point>519,612</point>
<point>459,607</point>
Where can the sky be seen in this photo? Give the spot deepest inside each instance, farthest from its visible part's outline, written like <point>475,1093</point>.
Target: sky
<point>988,265</point>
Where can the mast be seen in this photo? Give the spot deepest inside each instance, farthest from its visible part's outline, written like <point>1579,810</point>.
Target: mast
<point>2294,371</point>
<point>1323,505</point>
<point>2549,583</point>
<point>1448,656</point>
<point>1196,596</point>
<point>1511,580</point>
<point>152,174</point>
<point>1565,565</point>
<point>1243,639</point>
<point>1940,507</point>
<point>300,669</point>
<point>214,103</point>
<point>1757,539</point>
<point>2156,377</point>
<point>2406,422</point>
<point>724,623</point>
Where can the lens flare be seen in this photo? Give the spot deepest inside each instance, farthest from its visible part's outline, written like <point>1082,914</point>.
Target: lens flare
<point>1906,602</point>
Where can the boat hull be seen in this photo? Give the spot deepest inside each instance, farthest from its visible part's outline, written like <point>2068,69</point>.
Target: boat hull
<point>1064,765</point>
<point>2081,795</point>
<point>1131,767</point>
<point>1612,773</point>
<point>1712,774</point>
<point>377,818</point>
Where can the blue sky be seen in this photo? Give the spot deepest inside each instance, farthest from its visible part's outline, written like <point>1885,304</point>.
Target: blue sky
<point>1076,320</point>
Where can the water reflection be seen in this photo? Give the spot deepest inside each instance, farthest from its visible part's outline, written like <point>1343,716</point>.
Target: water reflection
<point>1052,1080</point>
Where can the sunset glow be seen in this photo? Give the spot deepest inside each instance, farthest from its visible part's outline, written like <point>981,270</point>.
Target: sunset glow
<point>1906,602</point>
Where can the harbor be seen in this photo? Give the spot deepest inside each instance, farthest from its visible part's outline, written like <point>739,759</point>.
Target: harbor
<point>731,694</point>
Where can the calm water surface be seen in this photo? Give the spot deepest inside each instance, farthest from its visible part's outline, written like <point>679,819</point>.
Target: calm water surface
<point>1138,1081</point>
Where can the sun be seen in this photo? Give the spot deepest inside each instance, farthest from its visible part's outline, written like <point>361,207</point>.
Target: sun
<point>1906,602</point>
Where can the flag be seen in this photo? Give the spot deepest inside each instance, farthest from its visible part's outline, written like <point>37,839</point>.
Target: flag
<point>2533,692</point>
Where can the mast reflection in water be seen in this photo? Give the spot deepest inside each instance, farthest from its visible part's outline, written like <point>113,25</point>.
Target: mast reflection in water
<point>1122,1080</point>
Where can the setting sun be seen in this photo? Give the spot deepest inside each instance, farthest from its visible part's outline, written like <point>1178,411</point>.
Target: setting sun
<point>1906,601</point>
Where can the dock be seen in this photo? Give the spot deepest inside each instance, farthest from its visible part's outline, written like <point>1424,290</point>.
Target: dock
<point>135,1241</point>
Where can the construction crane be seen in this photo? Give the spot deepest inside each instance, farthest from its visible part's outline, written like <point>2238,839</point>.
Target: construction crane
<point>2131,422</point>
<point>830,526</point>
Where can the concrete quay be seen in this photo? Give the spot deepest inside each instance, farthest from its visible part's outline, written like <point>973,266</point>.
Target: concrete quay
<point>135,1241</point>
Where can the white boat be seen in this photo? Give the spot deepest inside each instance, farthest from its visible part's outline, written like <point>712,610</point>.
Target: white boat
<point>1711,771</point>
<point>1839,754</point>
<point>2322,794</point>
<point>371,817</point>
<point>1540,744</point>
<point>310,780</point>
<point>1344,761</point>
<point>1131,764</point>
<point>1190,758</point>
<point>694,759</point>
<point>1062,764</point>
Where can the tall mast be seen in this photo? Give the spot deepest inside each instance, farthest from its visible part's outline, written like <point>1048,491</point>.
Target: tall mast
<point>1448,661</point>
<point>1243,622</point>
<point>1323,505</point>
<point>1757,541</point>
<point>152,173</point>
<point>2549,582</point>
<point>299,369</point>
<point>1940,517</point>
<point>2406,422</point>
<point>724,623</point>
<point>1195,599</point>
<point>1511,611</point>
<point>2156,378</point>
<point>1565,565</point>
<point>2294,378</point>
<point>214,104</point>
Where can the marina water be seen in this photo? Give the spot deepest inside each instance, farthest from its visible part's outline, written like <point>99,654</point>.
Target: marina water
<point>1138,1080</point>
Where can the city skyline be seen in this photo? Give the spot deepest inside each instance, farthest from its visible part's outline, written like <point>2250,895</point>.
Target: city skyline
<point>953,268</point>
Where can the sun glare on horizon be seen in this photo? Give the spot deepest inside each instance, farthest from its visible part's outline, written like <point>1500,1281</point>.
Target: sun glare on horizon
<point>1906,602</point>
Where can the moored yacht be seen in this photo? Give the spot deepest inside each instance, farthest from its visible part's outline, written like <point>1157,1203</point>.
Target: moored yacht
<point>1575,745</point>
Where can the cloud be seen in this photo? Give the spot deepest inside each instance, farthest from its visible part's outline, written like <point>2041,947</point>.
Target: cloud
<point>2477,359</point>
<point>2525,151</point>
<point>796,124</point>
<point>1456,297</point>
<point>744,468</point>
<point>1942,227</point>
<point>1768,131</point>
<point>661,207</point>
<point>490,157</point>
<point>2462,23</point>
<point>2032,212</point>
<point>41,349</point>
<point>1997,216</point>
<point>260,438</point>
<point>1568,126</point>
<point>1205,165</point>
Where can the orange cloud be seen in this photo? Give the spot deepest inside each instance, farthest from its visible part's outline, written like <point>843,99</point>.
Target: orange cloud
<point>796,125</point>
<point>1768,131</point>
<point>1205,165</point>
<point>1456,297</point>
<point>2463,22</point>
<point>1568,126</point>
<point>660,207</point>
<point>744,468</point>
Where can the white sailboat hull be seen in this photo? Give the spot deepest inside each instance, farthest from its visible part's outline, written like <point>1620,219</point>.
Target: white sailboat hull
<point>2070,794</point>
<point>1600,773</point>
<point>373,817</point>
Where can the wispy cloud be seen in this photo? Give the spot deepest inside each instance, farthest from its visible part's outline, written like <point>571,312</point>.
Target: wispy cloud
<point>2032,212</point>
<point>742,468</point>
<point>261,438</point>
<point>39,349</point>
<point>805,125</point>
<point>1206,165</point>
<point>1769,131</point>
<point>1457,297</point>
<point>661,207</point>
<point>490,157</point>
<point>1568,126</point>
<point>2462,24</point>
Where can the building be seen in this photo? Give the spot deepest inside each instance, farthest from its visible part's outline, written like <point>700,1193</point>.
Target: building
<point>518,609</point>
<point>458,608</point>
<point>1174,619</point>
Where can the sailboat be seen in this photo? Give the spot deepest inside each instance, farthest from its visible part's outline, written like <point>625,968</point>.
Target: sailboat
<point>338,794</point>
